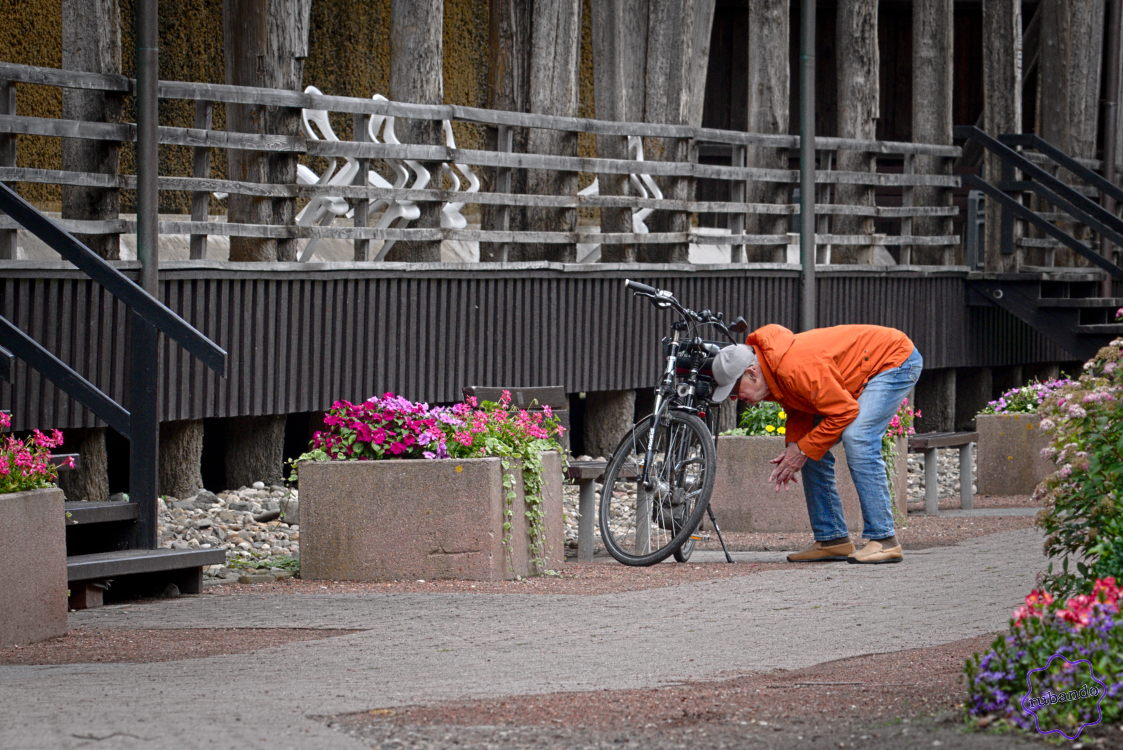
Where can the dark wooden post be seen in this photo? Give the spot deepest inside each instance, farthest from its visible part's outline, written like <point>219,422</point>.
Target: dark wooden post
<point>1002,111</point>
<point>508,88</point>
<point>362,205</point>
<point>8,237</point>
<point>1071,57</point>
<point>201,168</point>
<point>612,45</point>
<point>416,66</point>
<point>673,64</point>
<point>932,47</point>
<point>265,45</point>
<point>91,42</point>
<point>91,33</point>
<point>1069,82</point>
<point>769,84</point>
<point>554,86</point>
<point>858,111</point>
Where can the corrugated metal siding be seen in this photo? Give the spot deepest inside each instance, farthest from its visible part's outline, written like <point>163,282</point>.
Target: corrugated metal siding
<point>299,339</point>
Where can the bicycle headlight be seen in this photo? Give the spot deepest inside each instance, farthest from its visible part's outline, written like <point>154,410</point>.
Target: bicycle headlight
<point>685,389</point>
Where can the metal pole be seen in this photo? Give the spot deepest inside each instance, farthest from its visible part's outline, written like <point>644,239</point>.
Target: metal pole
<point>144,444</point>
<point>147,154</point>
<point>1111,120</point>
<point>807,164</point>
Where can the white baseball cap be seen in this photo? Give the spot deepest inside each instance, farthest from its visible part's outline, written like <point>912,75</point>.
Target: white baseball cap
<point>729,365</point>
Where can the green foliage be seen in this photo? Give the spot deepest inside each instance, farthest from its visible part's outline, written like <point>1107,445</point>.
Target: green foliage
<point>766,418</point>
<point>260,562</point>
<point>1083,513</point>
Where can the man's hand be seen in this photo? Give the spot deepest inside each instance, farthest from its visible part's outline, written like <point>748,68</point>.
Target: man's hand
<point>788,465</point>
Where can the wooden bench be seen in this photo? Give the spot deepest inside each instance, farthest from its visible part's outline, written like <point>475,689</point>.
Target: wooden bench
<point>927,444</point>
<point>586,474</point>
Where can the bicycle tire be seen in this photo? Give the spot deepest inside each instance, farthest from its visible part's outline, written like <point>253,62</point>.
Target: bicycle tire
<point>683,468</point>
<point>682,554</point>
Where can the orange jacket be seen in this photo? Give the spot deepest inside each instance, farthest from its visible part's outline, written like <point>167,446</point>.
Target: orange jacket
<point>822,372</point>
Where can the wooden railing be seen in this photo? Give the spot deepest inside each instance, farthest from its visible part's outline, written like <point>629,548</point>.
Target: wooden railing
<point>203,138</point>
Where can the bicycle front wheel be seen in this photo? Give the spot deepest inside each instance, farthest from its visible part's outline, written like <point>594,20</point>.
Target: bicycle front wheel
<point>643,525</point>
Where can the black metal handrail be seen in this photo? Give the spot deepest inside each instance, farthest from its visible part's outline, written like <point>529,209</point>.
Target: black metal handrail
<point>1036,142</point>
<point>140,423</point>
<point>1053,190</point>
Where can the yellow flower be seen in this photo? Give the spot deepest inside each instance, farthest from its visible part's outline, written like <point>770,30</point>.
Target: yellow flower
<point>769,428</point>
<point>782,415</point>
<point>783,430</point>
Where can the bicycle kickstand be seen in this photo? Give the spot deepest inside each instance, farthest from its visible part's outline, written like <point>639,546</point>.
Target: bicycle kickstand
<point>713,520</point>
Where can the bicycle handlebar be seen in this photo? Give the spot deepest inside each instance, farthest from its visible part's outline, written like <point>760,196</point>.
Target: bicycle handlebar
<point>642,288</point>
<point>663,298</point>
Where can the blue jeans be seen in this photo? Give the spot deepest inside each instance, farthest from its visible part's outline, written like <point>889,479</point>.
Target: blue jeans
<point>862,441</point>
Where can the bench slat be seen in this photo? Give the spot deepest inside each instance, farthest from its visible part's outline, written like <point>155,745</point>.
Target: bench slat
<point>941,440</point>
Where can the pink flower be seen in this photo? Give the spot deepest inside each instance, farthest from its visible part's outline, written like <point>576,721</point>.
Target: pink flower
<point>397,448</point>
<point>378,436</point>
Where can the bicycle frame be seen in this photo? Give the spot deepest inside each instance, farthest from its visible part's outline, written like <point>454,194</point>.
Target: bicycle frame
<point>670,395</point>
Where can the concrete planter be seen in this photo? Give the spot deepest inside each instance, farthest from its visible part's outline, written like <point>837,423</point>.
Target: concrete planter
<point>33,561</point>
<point>744,501</point>
<point>1009,454</point>
<point>383,520</point>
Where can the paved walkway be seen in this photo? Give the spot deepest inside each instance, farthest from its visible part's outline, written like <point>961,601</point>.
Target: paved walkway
<point>424,647</point>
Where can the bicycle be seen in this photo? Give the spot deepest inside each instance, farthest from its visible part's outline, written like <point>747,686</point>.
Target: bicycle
<point>658,483</point>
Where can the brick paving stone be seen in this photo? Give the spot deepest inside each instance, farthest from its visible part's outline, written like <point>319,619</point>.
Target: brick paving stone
<point>419,648</point>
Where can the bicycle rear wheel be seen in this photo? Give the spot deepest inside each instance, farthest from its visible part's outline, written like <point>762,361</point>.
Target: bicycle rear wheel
<point>644,525</point>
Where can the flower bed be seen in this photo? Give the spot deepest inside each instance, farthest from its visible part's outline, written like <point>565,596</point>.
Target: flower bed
<point>1057,669</point>
<point>1010,460</point>
<point>481,500</point>
<point>32,540</point>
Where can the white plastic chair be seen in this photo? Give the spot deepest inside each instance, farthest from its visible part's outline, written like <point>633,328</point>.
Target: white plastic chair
<point>451,218</point>
<point>322,210</point>
<point>644,186</point>
<point>400,210</point>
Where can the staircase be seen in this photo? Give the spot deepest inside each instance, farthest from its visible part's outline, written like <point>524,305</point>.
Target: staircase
<point>1063,304</point>
<point>115,543</point>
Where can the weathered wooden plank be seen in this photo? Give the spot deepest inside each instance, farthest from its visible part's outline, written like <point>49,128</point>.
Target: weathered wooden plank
<point>65,78</point>
<point>103,131</point>
<point>201,169</point>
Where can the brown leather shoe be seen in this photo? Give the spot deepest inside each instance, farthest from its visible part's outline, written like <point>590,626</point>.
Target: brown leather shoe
<point>875,554</point>
<point>818,553</point>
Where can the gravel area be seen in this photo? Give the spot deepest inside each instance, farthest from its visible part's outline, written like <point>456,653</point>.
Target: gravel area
<point>904,699</point>
<point>951,502</point>
<point>131,646</point>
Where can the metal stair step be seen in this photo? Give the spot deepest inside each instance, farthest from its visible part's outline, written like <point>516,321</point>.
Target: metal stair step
<point>85,513</point>
<point>1053,273</point>
<point>1080,302</point>
<point>133,561</point>
<point>1103,329</point>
